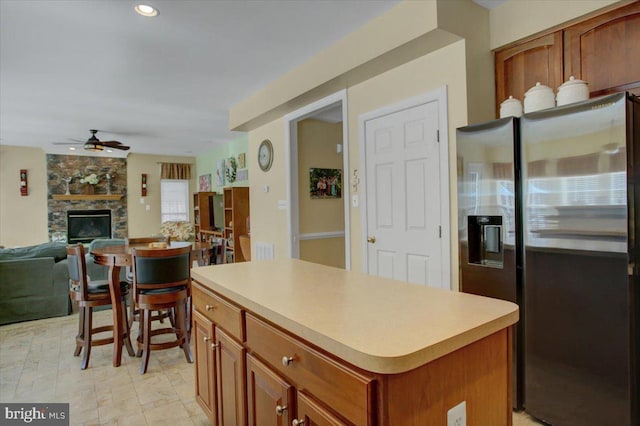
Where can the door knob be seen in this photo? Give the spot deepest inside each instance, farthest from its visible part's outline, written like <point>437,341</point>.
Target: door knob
<point>371,240</point>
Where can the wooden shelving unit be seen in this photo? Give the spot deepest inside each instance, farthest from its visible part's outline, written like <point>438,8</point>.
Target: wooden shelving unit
<point>236,210</point>
<point>202,213</point>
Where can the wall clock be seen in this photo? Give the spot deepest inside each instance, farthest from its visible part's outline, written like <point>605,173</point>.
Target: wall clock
<point>265,155</point>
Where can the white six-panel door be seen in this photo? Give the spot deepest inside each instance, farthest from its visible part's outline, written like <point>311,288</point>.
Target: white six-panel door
<point>403,195</point>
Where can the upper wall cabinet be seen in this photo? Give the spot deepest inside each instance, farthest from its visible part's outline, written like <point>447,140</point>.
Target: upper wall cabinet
<point>520,67</point>
<point>602,50</point>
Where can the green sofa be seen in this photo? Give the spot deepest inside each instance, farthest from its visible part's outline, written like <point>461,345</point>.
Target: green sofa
<point>34,281</point>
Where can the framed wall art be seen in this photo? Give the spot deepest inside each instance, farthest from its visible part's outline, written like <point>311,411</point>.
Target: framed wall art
<point>205,183</point>
<point>325,183</point>
<point>220,169</point>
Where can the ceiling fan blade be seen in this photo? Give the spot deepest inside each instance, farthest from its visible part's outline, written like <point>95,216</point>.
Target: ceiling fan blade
<point>120,147</point>
<point>68,143</point>
<point>77,140</point>
<point>109,143</point>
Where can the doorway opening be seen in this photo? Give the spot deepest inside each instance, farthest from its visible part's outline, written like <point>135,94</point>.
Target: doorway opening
<point>318,182</point>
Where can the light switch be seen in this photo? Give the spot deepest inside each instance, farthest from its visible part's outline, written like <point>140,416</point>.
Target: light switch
<point>265,188</point>
<point>141,200</point>
<point>148,207</point>
<point>354,200</point>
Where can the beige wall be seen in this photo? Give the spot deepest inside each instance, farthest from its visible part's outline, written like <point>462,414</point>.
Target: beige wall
<point>518,19</point>
<point>327,251</point>
<point>23,220</point>
<point>317,149</point>
<point>443,67</point>
<point>143,222</point>
<point>268,222</point>
<point>446,67</point>
<point>471,22</point>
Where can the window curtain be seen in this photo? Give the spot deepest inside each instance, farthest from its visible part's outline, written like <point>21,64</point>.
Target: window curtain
<point>175,171</point>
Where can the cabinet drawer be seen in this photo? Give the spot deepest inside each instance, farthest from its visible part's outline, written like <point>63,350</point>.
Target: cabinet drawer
<point>224,314</point>
<point>343,390</point>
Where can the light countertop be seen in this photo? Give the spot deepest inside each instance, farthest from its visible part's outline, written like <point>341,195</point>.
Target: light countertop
<point>377,324</point>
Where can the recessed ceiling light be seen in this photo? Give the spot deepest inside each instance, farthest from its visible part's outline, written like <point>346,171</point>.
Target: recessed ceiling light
<point>72,148</point>
<point>146,10</point>
<point>109,150</point>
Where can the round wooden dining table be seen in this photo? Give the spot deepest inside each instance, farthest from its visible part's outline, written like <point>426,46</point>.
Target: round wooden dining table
<point>117,256</point>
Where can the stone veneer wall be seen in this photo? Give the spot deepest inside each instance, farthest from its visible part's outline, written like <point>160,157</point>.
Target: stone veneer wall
<point>76,166</point>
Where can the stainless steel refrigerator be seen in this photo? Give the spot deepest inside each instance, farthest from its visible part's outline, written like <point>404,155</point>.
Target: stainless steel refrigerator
<point>581,200</point>
<point>489,221</point>
<point>547,210</point>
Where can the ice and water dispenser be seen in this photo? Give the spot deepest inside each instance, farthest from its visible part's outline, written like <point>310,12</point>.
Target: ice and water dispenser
<point>485,241</point>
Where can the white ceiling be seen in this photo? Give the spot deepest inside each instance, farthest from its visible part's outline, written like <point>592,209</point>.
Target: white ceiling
<point>161,85</point>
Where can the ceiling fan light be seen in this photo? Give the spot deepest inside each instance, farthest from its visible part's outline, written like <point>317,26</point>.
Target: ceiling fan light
<point>93,147</point>
<point>146,10</point>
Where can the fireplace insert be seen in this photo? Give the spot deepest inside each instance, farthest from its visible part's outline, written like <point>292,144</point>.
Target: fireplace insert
<point>84,226</point>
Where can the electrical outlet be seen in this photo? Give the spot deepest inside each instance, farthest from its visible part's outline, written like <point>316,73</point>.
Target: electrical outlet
<point>457,416</point>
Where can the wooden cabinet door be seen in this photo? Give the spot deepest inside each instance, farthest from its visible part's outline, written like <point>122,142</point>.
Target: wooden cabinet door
<point>604,51</point>
<point>312,414</point>
<point>203,331</point>
<point>231,381</point>
<point>520,67</point>
<point>269,397</point>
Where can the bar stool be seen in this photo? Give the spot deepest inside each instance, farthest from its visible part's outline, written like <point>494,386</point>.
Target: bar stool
<point>133,312</point>
<point>88,295</point>
<point>161,281</point>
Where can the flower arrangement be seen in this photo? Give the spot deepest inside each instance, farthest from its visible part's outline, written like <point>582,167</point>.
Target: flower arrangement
<point>92,179</point>
<point>230,172</point>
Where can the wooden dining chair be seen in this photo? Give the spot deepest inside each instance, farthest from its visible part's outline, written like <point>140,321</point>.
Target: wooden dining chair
<point>133,312</point>
<point>88,295</point>
<point>218,250</point>
<point>162,281</point>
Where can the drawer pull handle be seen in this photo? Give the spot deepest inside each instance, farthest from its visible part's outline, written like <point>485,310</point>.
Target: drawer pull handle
<point>280,409</point>
<point>209,307</point>
<point>297,422</point>
<point>287,360</point>
<point>207,339</point>
<point>214,346</point>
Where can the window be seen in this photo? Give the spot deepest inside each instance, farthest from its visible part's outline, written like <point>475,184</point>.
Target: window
<point>174,200</point>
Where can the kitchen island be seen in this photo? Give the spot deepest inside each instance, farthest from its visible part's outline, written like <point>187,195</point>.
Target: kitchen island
<point>293,343</point>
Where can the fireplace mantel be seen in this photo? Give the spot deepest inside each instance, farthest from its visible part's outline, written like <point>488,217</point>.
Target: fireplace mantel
<point>72,197</point>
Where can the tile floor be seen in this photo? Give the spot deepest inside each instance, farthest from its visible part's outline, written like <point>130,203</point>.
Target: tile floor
<point>37,365</point>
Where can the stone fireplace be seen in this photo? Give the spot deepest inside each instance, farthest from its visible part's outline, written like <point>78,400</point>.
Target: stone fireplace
<point>109,195</point>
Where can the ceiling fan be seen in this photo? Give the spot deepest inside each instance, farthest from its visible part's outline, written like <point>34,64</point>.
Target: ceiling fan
<point>95,144</point>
